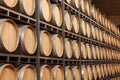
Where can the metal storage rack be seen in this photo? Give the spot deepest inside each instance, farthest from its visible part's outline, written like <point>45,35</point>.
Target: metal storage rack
<point>37,59</point>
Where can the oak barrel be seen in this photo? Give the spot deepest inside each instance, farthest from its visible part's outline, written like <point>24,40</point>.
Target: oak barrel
<point>98,71</point>
<point>57,15</point>
<point>8,72</point>
<point>69,1</point>
<point>98,52</point>
<point>88,30</point>
<point>89,53</point>
<point>68,20</point>
<point>68,48</point>
<point>76,3</point>
<point>94,70</point>
<point>76,49</point>
<point>28,40</point>
<point>68,73</point>
<point>93,31</point>
<point>9,38</point>
<point>90,73</point>
<point>46,73</point>
<point>27,72</point>
<point>76,73</point>
<point>84,73</point>
<point>84,50</point>
<point>75,23</point>
<point>87,8</point>
<point>45,43</point>
<point>9,3</point>
<point>82,5</point>
<point>102,70</point>
<point>83,27</point>
<point>94,52</point>
<point>27,7</point>
<point>58,72</point>
<point>45,10</point>
<point>57,43</point>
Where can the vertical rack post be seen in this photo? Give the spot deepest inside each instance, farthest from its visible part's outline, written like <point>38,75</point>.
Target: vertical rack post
<point>63,35</point>
<point>38,37</point>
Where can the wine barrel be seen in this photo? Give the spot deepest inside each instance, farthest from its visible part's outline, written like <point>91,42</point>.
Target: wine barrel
<point>104,53</point>
<point>93,11</point>
<point>76,3</point>
<point>112,54</point>
<point>104,37</point>
<point>68,20</point>
<point>76,73</point>
<point>83,51</point>
<point>98,71</point>
<point>100,18</point>
<point>57,43</point>
<point>93,32</point>
<point>84,73</point>
<point>83,27</point>
<point>45,10</point>
<point>115,69</point>
<point>9,3</point>
<point>87,8</point>
<point>7,72</point>
<point>68,48</point>
<point>97,15</point>
<point>88,30</point>
<point>27,7</point>
<point>69,1</point>
<point>101,53</point>
<point>94,52</point>
<point>89,53</point>
<point>57,15</point>
<point>105,70</point>
<point>27,72</point>
<point>97,33</point>
<point>107,53</point>
<point>45,43</point>
<point>98,52</point>
<point>100,35</point>
<point>117,66</point>
<point>109,69</point>
<point>103,20</point>
<point>90,73</point>
<point>28,40</point>
<point>58,73</point>
<point>106,21</point>
<point>68,73</point>
<point>109,39</point>
<point>102,71</point>
<point>76,49</point>
<point>9,38</point>
<point>46,73</point>
<point>94,72</point>
<point>82,5</point>
<point>75,23</point>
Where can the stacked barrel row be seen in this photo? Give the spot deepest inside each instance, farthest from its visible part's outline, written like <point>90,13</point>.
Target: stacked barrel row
<point>21,72</point>
<point>24,40</point>
<point>52,13</point>
<point>48,11</point>
<point>18,39</point>
<point>84,72</point>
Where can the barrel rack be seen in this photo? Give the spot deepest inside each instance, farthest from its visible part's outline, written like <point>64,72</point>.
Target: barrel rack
<point>37,59</point>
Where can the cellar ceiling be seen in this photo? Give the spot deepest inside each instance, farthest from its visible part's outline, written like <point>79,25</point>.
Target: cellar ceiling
<point>111,8</point>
